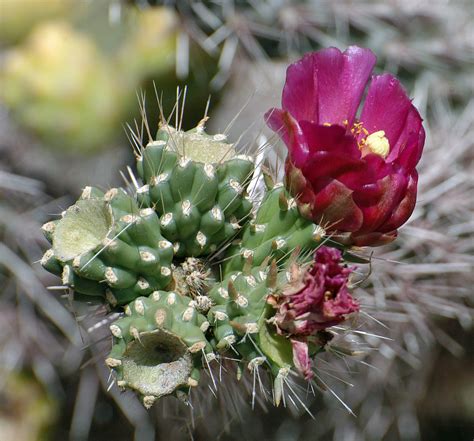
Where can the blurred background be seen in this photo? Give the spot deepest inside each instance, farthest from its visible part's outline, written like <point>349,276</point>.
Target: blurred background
<point>74,75</point>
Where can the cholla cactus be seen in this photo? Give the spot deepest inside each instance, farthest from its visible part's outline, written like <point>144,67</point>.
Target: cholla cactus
<point>202,271</point>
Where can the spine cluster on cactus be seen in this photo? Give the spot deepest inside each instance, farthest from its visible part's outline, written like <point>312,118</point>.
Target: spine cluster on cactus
<point>155,255</point>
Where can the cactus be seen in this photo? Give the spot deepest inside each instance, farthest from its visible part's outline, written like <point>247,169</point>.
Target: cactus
<point>187,284</point>
<point>240,312</point>
<point>276,230</point>
<point>158,346</point>
<point>197,185</point>
<point>18,17</point>
<point>153,255</point>
<point>106,247</point>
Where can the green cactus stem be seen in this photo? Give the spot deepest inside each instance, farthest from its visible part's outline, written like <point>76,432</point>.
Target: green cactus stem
<point>106,247</point>
<point>197,185</point>
<point>239,301</point>
<point>241,316</point>
<point>152,253</point>
<point>276,230</point>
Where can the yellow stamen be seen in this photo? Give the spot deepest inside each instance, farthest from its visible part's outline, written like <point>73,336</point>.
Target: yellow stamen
<point>327,124</point>
<point>378,143</point>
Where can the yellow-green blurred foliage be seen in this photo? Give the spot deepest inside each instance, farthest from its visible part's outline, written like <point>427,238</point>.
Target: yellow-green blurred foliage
<point>73,93</point>
<point>18,17</point>
<point>150,46</point>
<point>60,86</point>
<point>26,410</point>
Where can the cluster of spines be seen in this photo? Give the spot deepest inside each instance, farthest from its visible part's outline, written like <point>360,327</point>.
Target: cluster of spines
<point>132,260</point>
<point>201,205</point>
<point>276,230</point>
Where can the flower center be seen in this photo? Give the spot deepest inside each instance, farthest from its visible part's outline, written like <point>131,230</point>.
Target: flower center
<point>376,143</point>
<point>328,295</point>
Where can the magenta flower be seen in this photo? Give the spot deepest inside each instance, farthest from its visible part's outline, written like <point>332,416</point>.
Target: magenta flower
<point>355,176</point>
<point>313,301</point>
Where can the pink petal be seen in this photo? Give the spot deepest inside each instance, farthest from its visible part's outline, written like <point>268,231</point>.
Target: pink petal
<point>365,181</point>
<point>407,151</point>
<point>332,152</point>
<point>405,208</point>
<point>324,166</point>
<point>380,200</point>
<point>334,139</point>
<point>342,78</point>
<point>386,108</point>
<point>327,86</point>
<point>289,131</point>
<point>300,93</point>
<point>373,169</point>
<point>334,208</point>
<point>301,358</point>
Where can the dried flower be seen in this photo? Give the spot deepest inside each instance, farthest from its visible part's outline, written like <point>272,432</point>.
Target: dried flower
<point>355,176</point>
<point>313,300</point>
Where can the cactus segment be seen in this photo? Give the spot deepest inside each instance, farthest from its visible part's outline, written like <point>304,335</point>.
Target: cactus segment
<point>105,246</point>
<point>83,227</point>
<point>276,230</point>
<point>159,345</point>
<point>240,316</point>
<point>197,185</point>
<point>239,302</point>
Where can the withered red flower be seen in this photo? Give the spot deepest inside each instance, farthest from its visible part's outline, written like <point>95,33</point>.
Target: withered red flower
<point>313,300</point>
<point>354,175</point>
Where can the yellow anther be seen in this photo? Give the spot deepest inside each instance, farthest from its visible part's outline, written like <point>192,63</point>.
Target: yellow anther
<point>357,128</point>
<point>378,143</point>
<point>327,124</point>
